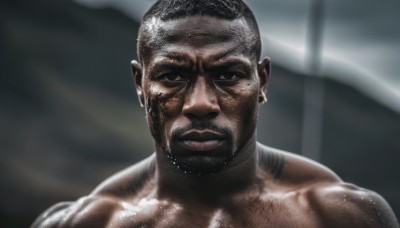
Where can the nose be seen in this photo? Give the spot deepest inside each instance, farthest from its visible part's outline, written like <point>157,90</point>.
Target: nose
<point>201,101</point>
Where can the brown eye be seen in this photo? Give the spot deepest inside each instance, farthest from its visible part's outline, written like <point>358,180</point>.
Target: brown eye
<point>227,76</point>
<point>172,77</point>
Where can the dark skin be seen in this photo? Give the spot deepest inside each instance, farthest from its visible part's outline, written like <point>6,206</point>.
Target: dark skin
<point>201,92</point>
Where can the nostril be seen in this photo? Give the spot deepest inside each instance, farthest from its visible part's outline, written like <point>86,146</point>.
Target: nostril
<point>212,115</point>
<point>196,117</point>
<point>208,115</point>
<point>190,115</point>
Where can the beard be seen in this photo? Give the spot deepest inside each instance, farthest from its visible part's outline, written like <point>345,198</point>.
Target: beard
<point>203,163</point>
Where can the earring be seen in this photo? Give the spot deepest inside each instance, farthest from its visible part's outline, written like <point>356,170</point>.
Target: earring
<point>263,99</point>
<point>141,100</point>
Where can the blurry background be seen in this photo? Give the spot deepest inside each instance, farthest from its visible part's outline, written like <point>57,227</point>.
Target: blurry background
<point>69,115</point>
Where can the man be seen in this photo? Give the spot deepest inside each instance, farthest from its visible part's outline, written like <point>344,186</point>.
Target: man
<point>200,80</point>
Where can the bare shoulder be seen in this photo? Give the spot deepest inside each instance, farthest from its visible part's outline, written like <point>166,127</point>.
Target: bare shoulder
<point>98,208</point>
<point>88,211</point>
<point>130,181</point>
<point>294,170</point>
<point>334,202</point>
<point>346,205</point>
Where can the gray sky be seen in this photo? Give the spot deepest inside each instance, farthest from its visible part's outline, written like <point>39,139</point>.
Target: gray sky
<point>360,46</point>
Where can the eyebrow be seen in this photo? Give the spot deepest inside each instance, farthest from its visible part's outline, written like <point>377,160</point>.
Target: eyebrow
<point>225,64</point>
<point>176,57</point>
<point>183,61</point>
<point>223,60</point>
<point>210,68</point>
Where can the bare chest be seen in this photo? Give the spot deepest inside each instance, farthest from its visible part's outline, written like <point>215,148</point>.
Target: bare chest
<point>251,213</point>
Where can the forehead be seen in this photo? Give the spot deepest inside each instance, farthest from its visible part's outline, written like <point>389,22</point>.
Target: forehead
<point>199,35</point>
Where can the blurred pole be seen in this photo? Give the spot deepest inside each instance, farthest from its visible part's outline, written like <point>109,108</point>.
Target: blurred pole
<point>313,85</point>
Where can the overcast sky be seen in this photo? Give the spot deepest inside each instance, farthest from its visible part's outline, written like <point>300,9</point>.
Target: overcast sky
<point>360,45</point>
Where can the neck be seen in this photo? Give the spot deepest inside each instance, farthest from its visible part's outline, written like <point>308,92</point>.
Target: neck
<point>238,175</point>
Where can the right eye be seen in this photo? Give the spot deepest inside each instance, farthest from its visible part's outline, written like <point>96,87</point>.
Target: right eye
<point>172,77</point>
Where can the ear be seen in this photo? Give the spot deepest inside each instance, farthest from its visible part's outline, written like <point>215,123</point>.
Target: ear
<point>264,69</point>
<point>137,75</point>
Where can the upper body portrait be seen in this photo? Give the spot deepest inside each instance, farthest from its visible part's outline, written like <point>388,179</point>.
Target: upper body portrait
<point>201,79</point>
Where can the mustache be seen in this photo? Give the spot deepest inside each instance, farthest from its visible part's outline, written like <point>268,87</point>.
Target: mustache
<point>201,125</point>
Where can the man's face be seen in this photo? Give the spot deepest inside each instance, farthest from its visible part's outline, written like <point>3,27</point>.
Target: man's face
<point>200,88</point>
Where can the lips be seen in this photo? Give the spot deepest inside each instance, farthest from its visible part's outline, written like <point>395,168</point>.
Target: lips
<point>204,140</point>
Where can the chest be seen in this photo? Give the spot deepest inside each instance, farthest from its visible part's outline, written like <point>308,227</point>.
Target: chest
<point>250,213</point>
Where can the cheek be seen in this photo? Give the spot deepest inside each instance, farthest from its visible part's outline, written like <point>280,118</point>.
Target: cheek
<point>171,111</point>
<point>241,101</point>
<point>161,107</point>
<point>167,102</point>
<point>250,104</point>
<point>241,107</point>
<point>173,104</point>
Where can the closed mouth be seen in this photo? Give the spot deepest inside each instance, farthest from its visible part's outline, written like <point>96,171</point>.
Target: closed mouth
<point>204,140</point>
<point>203,135</point>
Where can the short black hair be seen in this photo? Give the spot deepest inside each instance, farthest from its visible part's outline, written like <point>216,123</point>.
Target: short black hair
<point>222,9</point>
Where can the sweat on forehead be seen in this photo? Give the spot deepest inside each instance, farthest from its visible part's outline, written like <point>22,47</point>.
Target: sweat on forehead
<point>196,31</point>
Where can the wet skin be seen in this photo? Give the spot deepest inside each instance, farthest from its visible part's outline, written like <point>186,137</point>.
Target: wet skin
<point>200,84</point>
<point>201,87</point>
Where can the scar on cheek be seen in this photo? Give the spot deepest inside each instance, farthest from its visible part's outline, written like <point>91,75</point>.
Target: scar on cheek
<point>163,104</point>
<point>156,104</point>
<point>156,112</point>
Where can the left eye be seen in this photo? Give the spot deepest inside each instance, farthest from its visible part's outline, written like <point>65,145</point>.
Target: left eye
<point>228,76</point>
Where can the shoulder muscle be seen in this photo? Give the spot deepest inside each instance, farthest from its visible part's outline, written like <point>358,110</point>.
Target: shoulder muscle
<point>346,205</point>
<point>89,211</point>
<point>297,170</point>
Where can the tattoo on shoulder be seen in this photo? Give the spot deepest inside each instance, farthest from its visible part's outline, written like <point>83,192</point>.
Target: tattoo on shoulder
<point>275,163</point>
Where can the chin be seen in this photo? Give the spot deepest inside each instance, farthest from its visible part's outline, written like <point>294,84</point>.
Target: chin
<point>200,164</point>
